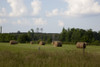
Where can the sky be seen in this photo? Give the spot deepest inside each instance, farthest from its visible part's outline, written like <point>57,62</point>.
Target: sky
<point>51,15</point>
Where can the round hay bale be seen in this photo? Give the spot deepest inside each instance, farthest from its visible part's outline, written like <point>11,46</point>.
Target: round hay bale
<point>42,43</point>
<point>12,42</point>
<point>52,43</point>
<point>57,43</point>
<point>31,42</point>
<point>81,44</point>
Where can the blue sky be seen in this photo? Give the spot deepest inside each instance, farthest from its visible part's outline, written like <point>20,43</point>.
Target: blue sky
<point>51,15</point>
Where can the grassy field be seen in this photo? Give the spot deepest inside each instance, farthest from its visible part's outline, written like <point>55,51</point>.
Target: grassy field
<point>26,55</point>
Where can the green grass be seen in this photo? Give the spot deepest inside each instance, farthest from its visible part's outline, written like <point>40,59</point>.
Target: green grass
<point>26,55</point>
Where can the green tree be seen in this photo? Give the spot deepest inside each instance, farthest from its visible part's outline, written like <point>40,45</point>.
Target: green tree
<point>75,35</point>
<point>49,40</point>
<point>68,35</point>
<point>90,35</point>
<point>63,35</point>
<point>23,38</point>
<point>32,34</point>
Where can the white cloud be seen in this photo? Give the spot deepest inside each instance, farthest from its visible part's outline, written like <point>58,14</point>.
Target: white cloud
<point>22,22</point>
<point>77,8</point>
<point>3,12</point>
<point>36,6</point>
<point>18,7</point>
<point>60,23</point>
<point>81,7</point>
<point>3,21</point>
<point>52,13</point>
<point>30,22</point>
<point>39,21</point>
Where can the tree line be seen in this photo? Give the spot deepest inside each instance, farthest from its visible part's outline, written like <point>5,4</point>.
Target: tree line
<point>80,35</point>
<point>67,36</point>
<point>26,37</point>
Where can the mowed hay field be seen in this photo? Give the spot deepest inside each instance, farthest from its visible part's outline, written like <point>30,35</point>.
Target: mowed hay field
<point>27,55</point>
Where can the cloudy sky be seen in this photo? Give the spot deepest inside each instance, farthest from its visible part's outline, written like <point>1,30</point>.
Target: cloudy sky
<point>51,15</point>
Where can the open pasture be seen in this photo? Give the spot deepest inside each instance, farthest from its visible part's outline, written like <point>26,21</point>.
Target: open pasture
<point>27,55</point>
